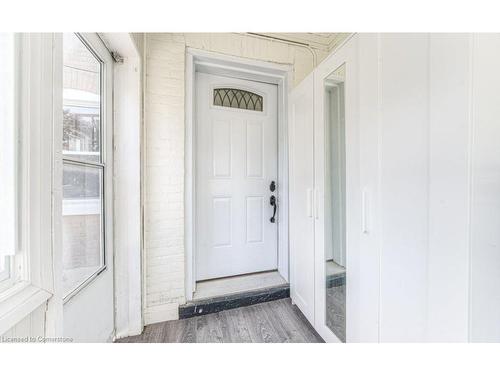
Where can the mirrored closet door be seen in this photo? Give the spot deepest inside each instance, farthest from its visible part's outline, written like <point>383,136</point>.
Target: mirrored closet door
<point>336,193</point>
<point>335,207</point>
<point>334,277</point>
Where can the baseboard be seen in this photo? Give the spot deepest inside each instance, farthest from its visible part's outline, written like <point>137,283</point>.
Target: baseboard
<point>161,313</point>
<point>232,301</point>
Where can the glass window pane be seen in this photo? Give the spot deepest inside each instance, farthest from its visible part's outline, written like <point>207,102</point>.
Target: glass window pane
<point>82,224</point>
<point>236,98</point>
<point>81,100</point>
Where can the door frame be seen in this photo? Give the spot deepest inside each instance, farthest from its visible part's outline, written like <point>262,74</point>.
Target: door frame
<point>242,68</point>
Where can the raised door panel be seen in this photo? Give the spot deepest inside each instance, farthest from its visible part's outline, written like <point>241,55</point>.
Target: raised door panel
<point>254,149</point>
<point>221,148</point>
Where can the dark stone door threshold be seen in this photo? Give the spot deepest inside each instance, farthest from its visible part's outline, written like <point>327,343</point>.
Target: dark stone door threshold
<point>232,301</point>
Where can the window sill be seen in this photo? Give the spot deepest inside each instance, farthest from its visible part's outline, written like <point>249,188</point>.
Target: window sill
<point>18,302</point>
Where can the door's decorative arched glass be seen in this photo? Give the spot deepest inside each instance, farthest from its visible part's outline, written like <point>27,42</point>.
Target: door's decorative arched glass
<point>236,98</point>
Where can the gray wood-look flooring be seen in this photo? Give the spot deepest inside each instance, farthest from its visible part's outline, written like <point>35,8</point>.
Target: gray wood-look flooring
<point>273,322</point>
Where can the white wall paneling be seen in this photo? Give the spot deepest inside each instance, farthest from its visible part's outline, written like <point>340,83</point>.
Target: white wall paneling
<point>30,329</point>
<point>438,166</point>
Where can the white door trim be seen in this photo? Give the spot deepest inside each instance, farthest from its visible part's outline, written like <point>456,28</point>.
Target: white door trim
<point>236,67</point>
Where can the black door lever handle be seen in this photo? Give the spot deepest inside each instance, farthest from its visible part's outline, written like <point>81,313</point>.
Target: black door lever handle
<point>272,202</point>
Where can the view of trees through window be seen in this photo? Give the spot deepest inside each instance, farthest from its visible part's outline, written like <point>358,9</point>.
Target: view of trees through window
<point>82,96</point>
<point>81,133</point>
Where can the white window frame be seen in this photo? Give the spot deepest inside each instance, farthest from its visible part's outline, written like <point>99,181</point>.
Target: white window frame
<point>7,275</point>
<point>32,267</point>
<point>104,164</point>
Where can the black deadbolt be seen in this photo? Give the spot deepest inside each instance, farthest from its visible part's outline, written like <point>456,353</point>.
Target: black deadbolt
<point>272,187</point>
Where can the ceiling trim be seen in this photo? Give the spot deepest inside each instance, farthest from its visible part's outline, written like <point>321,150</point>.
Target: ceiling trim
<point>320,41</point>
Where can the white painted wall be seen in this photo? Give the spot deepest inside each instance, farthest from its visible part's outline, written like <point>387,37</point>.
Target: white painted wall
<point>164,151</point>
<point>430,124</point>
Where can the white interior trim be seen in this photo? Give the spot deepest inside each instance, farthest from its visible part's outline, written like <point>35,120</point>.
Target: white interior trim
<point>35,261</point>
<point>127,139</point>
<point>237,67</point>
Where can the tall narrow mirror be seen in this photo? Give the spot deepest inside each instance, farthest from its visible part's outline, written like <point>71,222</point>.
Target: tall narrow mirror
<point>335,245</point>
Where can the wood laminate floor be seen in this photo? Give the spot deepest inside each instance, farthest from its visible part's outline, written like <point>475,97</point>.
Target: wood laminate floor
<point>274,322</point>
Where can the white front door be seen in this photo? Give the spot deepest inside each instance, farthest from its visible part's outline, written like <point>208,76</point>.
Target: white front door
<point>236,163</point>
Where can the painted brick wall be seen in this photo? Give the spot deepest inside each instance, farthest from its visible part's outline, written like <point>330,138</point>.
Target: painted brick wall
<point>164,151</point>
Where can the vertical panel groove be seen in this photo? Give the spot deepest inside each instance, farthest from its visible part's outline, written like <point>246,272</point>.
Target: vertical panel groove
<point>470,174</point>
<point>428,188</point>
<point>379,179</point>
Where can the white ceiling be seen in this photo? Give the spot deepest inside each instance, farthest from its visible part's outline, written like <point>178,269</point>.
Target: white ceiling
<point>323,41</point>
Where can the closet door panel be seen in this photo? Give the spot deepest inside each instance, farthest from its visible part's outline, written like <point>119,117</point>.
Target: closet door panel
<point>368,252</point>
<point>404,171</point>
<point>485,198</point>
<point>301,197</point>
<point>449,137</point>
